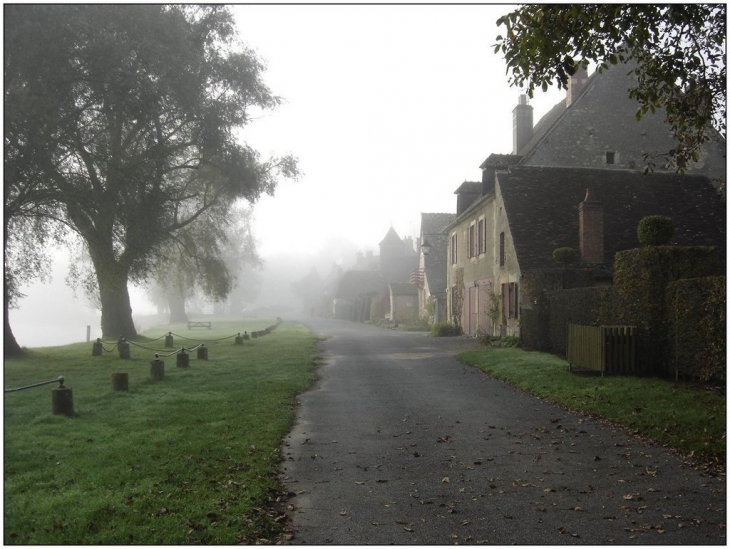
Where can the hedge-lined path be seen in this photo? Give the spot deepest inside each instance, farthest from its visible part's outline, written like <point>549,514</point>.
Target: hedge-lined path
<point>399,443</point>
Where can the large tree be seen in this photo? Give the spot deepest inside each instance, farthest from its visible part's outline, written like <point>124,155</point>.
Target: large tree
<point>128,114</point>
<point>679,50</point>
<point>205,258</point>
<point>30,224</point>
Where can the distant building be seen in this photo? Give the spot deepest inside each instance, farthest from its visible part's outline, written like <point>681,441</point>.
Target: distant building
<point>431,275</point>
<point>359,287</point>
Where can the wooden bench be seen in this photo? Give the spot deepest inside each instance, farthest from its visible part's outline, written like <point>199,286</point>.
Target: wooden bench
<point>196,324</point>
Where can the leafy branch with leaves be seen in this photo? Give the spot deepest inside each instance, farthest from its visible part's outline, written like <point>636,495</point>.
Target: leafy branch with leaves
<point>678,50</point>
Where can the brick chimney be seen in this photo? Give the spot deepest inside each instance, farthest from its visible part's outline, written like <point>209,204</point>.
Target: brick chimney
<point>576,85</point>
<point>590,221</point>
<point>521,124</point>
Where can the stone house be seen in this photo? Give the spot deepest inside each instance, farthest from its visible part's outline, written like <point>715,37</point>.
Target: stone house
<point>511,233</point>
<point>595,126</point>
<point>365,284</point>
<point>527,204</point>
<point>403,301</point>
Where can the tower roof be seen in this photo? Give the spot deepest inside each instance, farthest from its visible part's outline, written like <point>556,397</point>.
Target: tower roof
<point>391,237</point>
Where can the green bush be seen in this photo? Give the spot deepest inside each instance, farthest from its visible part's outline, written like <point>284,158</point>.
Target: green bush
<point>697,327</point>
<point>565,255</point>
<point>640,280</point>
<point>445,329</point>
<point>655,230</point>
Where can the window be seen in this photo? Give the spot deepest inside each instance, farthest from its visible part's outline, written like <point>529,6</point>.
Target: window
<point>501,249</point>
<point>610,157</point>
<point>453,249</point>
<point>481,229</point>
<point>470,241</point>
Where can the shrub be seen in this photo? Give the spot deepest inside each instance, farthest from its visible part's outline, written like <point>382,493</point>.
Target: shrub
<point>445,329</point>
<point>697,327</point>
<point>565,255</point>
<point>655,230</point>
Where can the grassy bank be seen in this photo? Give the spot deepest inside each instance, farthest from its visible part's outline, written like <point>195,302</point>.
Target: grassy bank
<point>688,418</point>
<point>189,459</point>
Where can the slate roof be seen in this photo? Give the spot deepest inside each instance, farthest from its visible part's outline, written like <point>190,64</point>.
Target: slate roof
<point>541,205</point>
<point>469,187</point>
<point>391,237</point>
<point>433,228</point>
<point>435,223</point>
<point>544,125</point>
<point>498,160</point>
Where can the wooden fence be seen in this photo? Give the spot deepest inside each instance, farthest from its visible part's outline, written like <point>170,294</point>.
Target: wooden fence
<point>606,349</point>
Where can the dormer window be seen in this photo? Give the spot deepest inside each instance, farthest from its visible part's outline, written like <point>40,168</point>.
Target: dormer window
<point>610,157</point>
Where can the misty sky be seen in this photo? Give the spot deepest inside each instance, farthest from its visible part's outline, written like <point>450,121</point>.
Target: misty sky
<point>388,108</point>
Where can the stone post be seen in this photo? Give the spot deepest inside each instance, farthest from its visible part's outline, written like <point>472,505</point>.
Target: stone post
<point>120,381</point>
<point>157,368</point>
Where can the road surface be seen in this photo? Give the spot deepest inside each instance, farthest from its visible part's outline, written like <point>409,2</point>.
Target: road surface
<point>399,443</point>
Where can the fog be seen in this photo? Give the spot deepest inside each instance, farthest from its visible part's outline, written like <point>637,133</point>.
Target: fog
<point>53,314</point>
<point>388,108</point>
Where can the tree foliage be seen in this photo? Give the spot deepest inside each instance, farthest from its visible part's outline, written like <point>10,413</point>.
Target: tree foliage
<point>679,50</point>
<point>123,118</point>
<point>206,257</point>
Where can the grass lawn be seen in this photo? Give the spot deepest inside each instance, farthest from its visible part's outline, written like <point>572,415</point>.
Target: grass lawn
<point>190,459</point>
<point>688,418</point>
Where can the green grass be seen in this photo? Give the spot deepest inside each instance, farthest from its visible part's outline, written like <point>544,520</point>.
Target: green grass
<point>190,459</point>
<point>688,418</point>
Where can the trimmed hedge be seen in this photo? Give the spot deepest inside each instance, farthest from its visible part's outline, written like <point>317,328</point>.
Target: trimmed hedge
<point>696,325</point>
<point>578,306</point>
<point>641,277</point>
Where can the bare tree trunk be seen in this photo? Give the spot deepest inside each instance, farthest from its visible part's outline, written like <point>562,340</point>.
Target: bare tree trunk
<point>11,347</point>
<point>116,309</point>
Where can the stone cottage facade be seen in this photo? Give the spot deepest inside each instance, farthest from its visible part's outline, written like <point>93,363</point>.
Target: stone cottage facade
<point>512,232</point>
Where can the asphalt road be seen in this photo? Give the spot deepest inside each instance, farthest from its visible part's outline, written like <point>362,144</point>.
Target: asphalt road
<point>399,443</point>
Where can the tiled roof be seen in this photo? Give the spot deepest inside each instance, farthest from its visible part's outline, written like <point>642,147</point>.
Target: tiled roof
<point>469,187</point>
<point>391,237</point>
<point>498,160</point>
<point>434,223</point>
<point>541,205</point>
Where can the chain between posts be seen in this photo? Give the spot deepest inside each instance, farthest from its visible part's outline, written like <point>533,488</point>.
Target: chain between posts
<point>180,350</point>
<point>59,380</point>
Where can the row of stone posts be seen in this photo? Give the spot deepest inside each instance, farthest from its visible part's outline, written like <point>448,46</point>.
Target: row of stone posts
<point>62,397</point>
